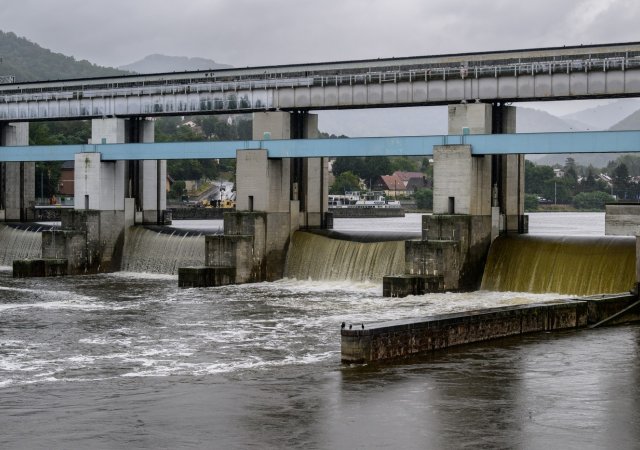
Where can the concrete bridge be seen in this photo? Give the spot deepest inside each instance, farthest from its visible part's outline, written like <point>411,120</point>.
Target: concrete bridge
<point>576,72</point>
<point>282,173</point>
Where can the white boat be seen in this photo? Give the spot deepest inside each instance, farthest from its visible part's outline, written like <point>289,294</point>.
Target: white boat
<point>356,199</point>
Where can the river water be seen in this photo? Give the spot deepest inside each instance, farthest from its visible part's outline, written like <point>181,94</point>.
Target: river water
<point>128,360</point>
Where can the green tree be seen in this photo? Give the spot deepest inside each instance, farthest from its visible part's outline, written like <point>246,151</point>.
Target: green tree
<point>537,178</point>
<point>620,179</point>
<point>346,181</point>
<point>592,200</point>
<point>346,164</point>
<point>424,199</point>
<point>178,189</point>
<point>530,202</point>
<point>403,164</point>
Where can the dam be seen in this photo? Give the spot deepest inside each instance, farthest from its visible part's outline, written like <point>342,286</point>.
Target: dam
<point>279,230</point>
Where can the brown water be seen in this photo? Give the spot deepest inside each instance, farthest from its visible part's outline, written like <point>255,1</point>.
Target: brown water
<point>563,264</point>
<point>132,361</point>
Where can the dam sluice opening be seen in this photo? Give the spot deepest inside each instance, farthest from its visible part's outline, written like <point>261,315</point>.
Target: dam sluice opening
<point>161,252</point>
<point>315,257</point>
<point>561,264</point>
<point>19,243</point>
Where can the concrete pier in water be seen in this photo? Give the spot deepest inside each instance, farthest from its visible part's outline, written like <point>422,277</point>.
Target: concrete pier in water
<point>405,338</point>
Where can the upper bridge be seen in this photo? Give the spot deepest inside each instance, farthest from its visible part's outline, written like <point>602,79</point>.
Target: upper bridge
<point>559,73</point>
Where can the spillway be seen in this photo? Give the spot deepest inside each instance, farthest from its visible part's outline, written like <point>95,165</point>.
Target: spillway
<point>19,243</point>
<point>565,265</point>
<point>153,252</point>
<point>317,257</point>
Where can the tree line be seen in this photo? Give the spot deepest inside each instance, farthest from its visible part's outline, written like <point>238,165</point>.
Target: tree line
<point>584,187</point>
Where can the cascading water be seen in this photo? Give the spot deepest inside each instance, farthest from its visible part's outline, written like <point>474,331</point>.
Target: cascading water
<point>320,258</point>
<point>565,265</point>
<point>153,252</point>
<point>19,244</point>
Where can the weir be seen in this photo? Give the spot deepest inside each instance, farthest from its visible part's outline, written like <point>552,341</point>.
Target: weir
<point>19,243</point>
<point>565,265</point>
<point>320,258</point>
<point>153,252</point>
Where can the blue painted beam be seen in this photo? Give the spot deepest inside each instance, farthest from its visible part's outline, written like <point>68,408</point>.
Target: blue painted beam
<point>522,143</point>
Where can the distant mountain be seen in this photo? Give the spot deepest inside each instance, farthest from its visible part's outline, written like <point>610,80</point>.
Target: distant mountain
<point>529,120</point>
<point>161,63</point>
<point>604,116</point>
<point>598,160</point>
<point>417,121</point>
<point>631,122</point>
<point>28,61</point>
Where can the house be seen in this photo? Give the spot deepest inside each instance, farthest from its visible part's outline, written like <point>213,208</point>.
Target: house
<point>400,183</point>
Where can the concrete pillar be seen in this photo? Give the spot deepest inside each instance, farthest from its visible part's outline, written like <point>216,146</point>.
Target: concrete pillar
<point>504,174</point>
<point>17,179</point>
<point>142,180</point>
<point>462,182</point>
<point>308,175</point>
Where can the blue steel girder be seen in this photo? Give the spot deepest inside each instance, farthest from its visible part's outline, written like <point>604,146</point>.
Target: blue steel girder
<point>481,144</point>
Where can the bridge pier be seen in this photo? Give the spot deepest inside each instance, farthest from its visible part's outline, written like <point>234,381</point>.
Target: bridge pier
<point>475,198</point>
<point>17,179</point>
<point>274,198</point>
<point>110,197</point>
<point>143,181</point>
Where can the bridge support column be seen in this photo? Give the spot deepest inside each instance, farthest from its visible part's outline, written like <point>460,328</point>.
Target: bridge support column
<point>474,199</point>
<point>143,181</point>
<point>17,179</point>
<point>274,198</point>
<point>506,172</point>
<point>308,175</point>
<point>110,196</point>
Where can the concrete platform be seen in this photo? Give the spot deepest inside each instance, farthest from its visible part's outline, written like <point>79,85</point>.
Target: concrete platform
<point>26,268</point>
<point>205,276</point>
<point>403,285</point>
<point>403,338</point>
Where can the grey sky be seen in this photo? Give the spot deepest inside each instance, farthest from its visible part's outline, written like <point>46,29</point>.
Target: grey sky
<point>258,32</point>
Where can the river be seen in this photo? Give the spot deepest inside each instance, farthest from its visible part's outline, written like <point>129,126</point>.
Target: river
<point>129,360</point>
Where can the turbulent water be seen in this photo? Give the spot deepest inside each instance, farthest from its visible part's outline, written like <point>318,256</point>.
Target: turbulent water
<point>19,244</point>
<point>563,264</point>
<point>129,360</point>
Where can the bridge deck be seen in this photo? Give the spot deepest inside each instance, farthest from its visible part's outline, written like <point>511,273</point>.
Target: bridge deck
<point>598,71</point>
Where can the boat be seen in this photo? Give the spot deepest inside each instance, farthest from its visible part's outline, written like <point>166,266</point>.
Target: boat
<point>364,204</point>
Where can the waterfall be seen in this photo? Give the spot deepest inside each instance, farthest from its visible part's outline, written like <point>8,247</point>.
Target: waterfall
<point>320,258</point>
<point>149,251</point>
<point>565,265</point>
<point>19,244</point>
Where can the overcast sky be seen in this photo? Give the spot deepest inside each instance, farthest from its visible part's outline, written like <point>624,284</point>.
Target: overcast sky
<point>258,32</point>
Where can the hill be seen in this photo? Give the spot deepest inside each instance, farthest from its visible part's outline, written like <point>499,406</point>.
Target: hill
<point>602,117</point>
<point>28,61</point>
<point>162,63</point>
